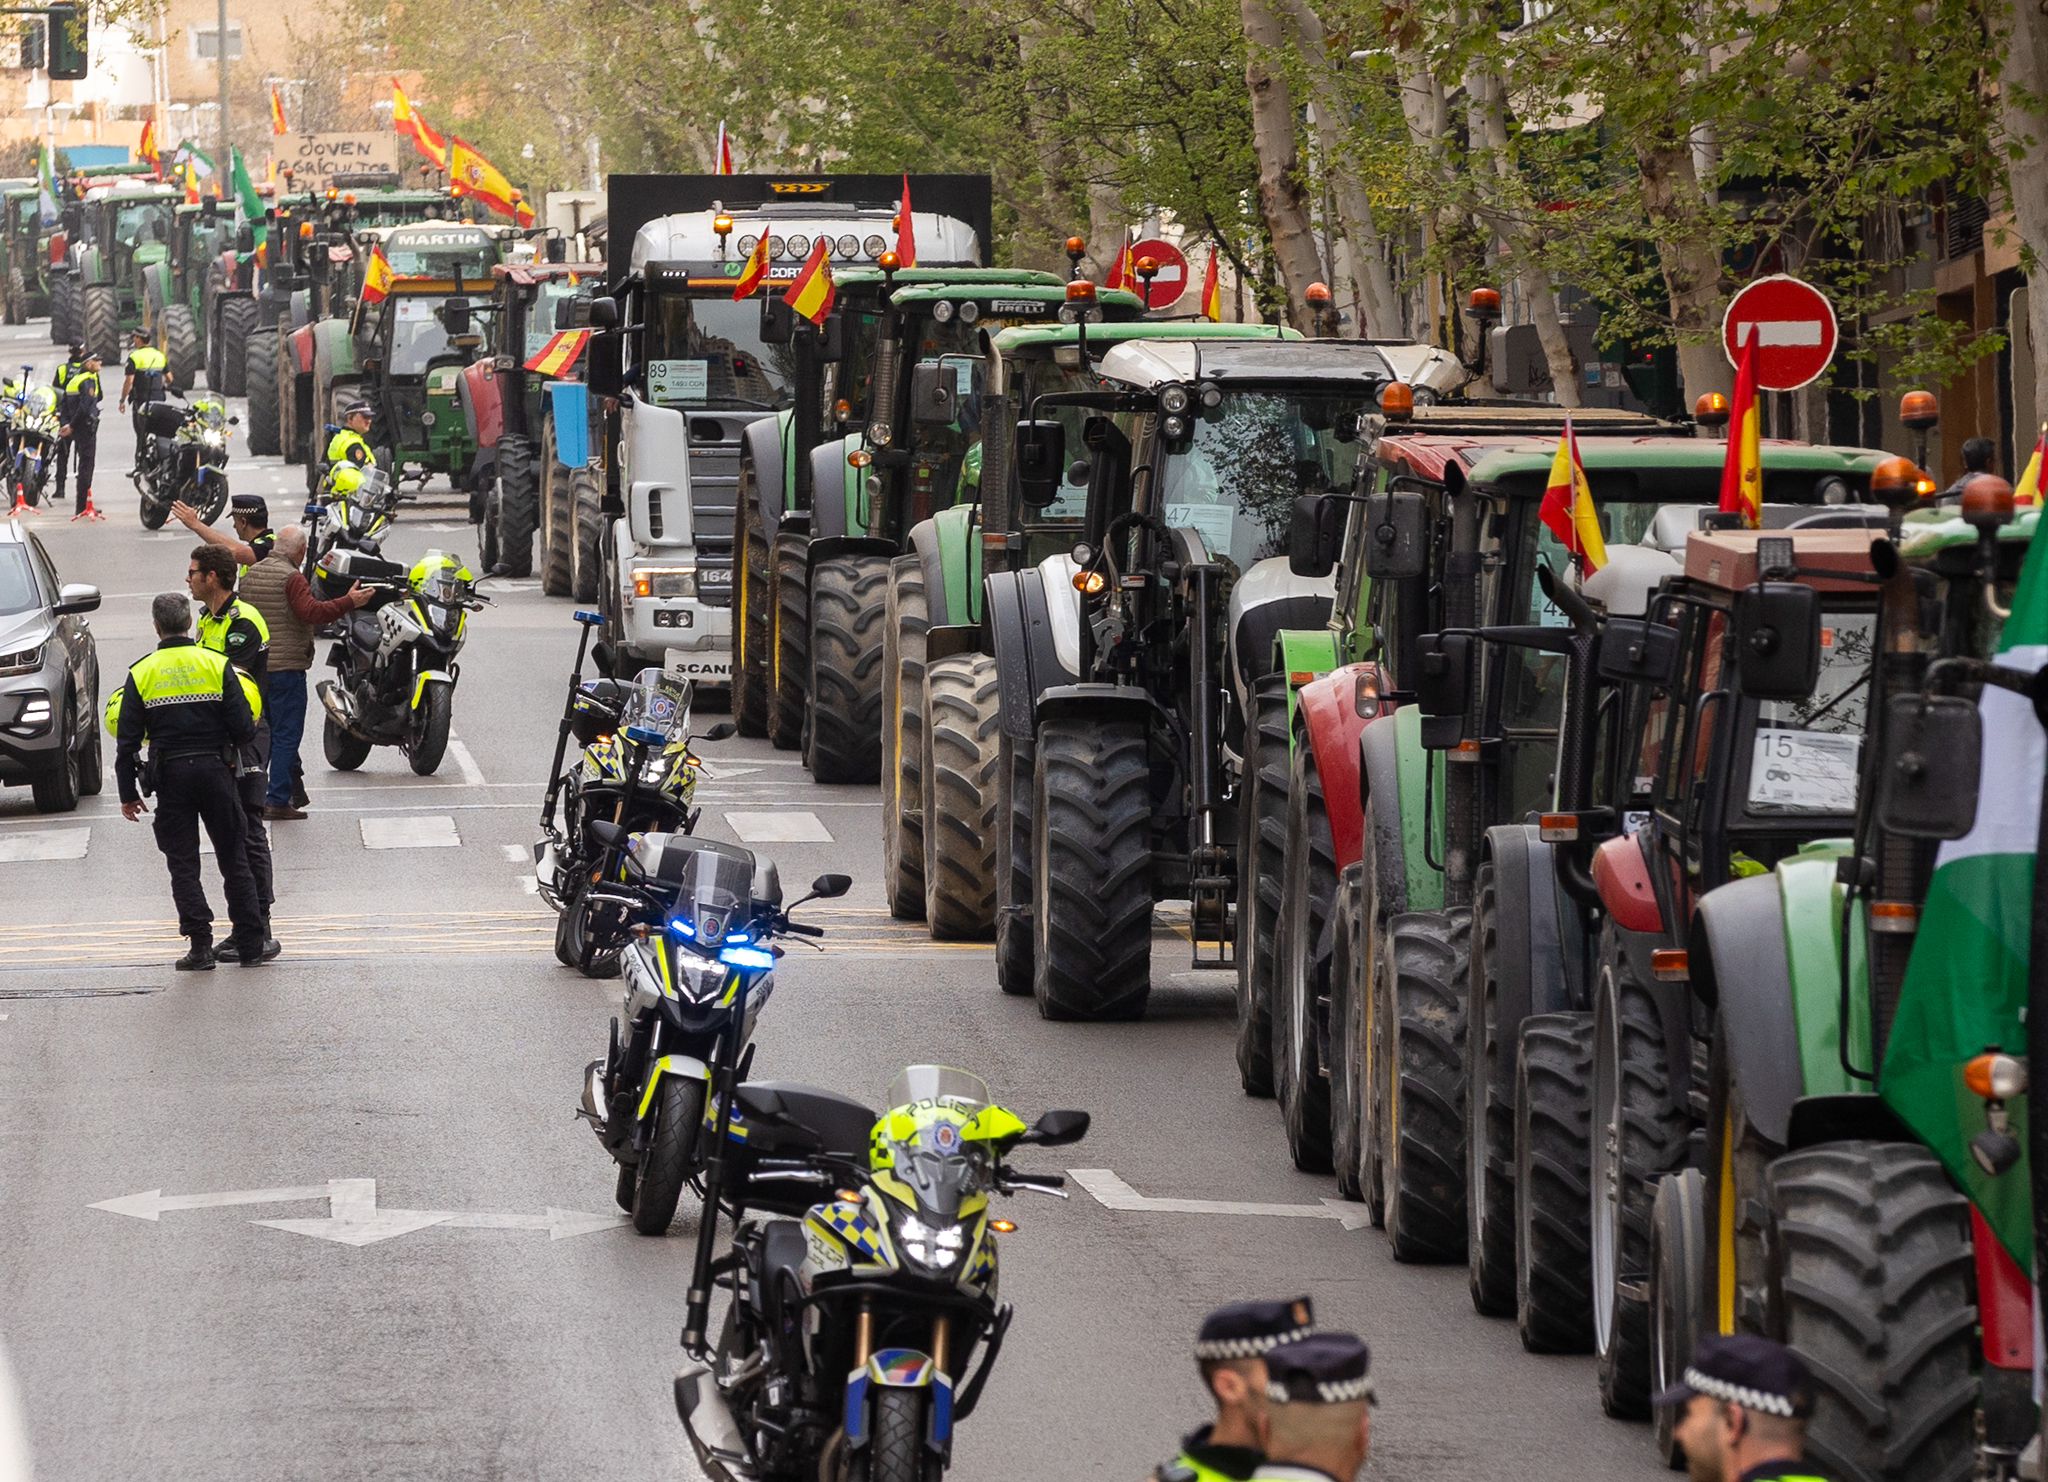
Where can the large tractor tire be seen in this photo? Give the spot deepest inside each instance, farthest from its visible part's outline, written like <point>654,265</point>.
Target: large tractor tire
<point>1300,986</point>
<point>750,612</point>
<point>843,742</point>
<point>63,308</point>
<point>100,322</point>
<point>907,618</point>
<point>1638,1135</point>
<point>237,323</point>
<point>1553,1114</point>
<point>1489,1119</point>
<point>295,403</point>
<point>260,376</point>
<point>1874,1289</point>
<point>1348,1031</point>
<point>518,505</point>
<point>586,504</point>
<point>1679,1267</point>
<point>789,637</point>
<point>181,346</point>
<point>555,518</point>
<point>958,777</point>
<point>1092,852</point>
<point>1261,858</point>
<point>1418,1027</point>
<point>1016,779</point>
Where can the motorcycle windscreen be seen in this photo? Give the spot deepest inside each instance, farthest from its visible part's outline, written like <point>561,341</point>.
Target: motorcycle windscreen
<point>713,882</point>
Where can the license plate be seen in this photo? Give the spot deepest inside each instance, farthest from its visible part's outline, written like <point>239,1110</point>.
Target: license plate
<point>674,618</point>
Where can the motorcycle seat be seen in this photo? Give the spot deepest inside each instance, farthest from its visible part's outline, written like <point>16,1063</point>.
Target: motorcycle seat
<point>787,1117</point>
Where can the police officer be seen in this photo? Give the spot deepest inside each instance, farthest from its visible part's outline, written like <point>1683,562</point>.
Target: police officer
<point>1746,1402</point>
<point>148,379</point>
<point>193,708</point>
<point>1317,1424</point>
<point>78,429</point>
<point>231,627</point>
<point>1230,1351</point>
<point>249,514</point>
<point>350,446</point>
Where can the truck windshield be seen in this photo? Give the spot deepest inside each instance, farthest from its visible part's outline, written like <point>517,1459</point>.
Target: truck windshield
<point>708,352</point>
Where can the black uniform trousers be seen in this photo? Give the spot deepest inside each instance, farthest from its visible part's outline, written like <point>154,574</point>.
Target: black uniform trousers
<point>195,790</point>
<point>86,440</point>
<point>250,788</point>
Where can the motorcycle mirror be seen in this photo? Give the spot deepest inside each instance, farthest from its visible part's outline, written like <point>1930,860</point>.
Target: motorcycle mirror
<point>720,732</point>
<point>1057,1128</point>
<point>830,887</point>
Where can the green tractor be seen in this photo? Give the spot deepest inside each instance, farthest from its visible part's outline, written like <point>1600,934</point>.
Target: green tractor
<point>177,306</point>
<point>24,253</point>
<point>124,231</point>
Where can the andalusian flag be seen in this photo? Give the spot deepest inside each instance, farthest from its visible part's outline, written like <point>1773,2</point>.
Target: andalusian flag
<point>723,165</point>
<point>145,147</point>
<point>1742,476</point>
<point>559,354</point>
<point>1212,289</point>
<point>277,122</point>
<point>474,175</point>
<point>406,119</point>
<point>1567,509</point>
<point>2029,488</point>
<point>46,187</point>
<point>755,273</point>
<point>377,277</point>
<point>810,292</point>
<point>198,163</point>
<point>245,193</point>
<point>906,231</point>
<point>1966,983</point>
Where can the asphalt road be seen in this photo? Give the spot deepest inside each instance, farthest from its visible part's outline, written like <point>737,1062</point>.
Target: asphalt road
<point>418,1033</point>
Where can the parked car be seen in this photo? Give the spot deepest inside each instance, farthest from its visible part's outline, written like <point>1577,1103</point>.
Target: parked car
<point>49,677</point>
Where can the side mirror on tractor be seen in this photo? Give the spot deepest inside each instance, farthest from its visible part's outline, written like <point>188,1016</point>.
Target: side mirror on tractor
<point>604,313</point>
<point>1443,679</point>
<point>1777,640</point>
<point>1635,651</point>
<point>1315,535</point>
<point>1927,787</point>
<point>454,317</point>
<point>1396,536</point>
<point>1041,459</point>
<point>778,320</point>
<point>934,397</point>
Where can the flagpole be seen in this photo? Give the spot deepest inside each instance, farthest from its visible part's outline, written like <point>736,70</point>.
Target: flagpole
<point>220,51</point>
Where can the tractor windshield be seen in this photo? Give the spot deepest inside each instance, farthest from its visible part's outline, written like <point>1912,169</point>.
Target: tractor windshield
<point>417,337</point>
<point>540,318</point>
<point>144,221</point>
<point>1252,456</point>
<point>709,352</point>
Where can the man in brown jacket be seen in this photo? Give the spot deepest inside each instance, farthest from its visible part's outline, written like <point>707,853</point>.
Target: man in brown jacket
<point>276,587</point>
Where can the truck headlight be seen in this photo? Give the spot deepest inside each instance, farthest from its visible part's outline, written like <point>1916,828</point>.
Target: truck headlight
<point>665,581</point>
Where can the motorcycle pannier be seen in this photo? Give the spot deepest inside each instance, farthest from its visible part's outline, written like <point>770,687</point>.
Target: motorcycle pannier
<point>162,418</point>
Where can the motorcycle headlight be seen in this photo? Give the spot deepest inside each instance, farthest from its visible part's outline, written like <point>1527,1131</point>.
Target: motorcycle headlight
<point>213,439</point>
<point>936,1248</point>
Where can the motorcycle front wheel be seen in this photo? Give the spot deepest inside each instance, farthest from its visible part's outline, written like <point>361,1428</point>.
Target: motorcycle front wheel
<point>671,1158</point>
<point>571,942</point>
<point>896,1450</point>
<point>430,729</point>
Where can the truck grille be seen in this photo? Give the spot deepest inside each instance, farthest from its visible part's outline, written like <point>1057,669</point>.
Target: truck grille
<point>714,491</point>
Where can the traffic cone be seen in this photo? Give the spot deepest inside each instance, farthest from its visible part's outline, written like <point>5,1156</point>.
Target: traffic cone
<point>90,512</point>
<point>21,505</point>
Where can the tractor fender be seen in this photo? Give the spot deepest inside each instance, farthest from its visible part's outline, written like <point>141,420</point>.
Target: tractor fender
<point>1529,975</point>
<point>1062,609</point>
<point>1019,634</point>
<point>156,287</point>
<point>1265,600</point>
<point>925,543</point>
<point>1329,721</point>
<point>683,1065</point>
<point>1737,959</point>
<point>1379,773</point>
<point>836,504</point>
<point>1101,702</point>
<point>1394,765</point>
<point>761,444</point>
<point>949,549</point>
<point>1674,1014</point>
<point>334,351</point>
<point>483,403</point>
<point>301,312</point>
<point>1622,876</point>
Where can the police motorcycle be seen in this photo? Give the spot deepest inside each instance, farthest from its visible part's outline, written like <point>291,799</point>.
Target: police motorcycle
<point>352,510</point>
<point>862,1270</point>
<point>701,917</point>
<point>33,437</point>
<point>184,457</point>
<point>394,658</point>
<point>635,772</point>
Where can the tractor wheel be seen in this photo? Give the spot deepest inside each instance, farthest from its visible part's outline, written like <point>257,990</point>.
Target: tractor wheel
<point>237,323</point>
<point>848,605</point>
<point>295,404</point>
<point>1016,771</point>
<point>1489,1120</point>
<point>260,376</point>
<point>1300,984</point>
<point>100,321</point>
<point>1418,1028</point>
<point>1679,1266</point>
<point>1638,1136</point>
<point>181,346</point>
<point>17,297</point>
<point>1347,1030</point>
<point>1553,1116</point>
<point>958,779</point>
<point>750,613</point>
<point>518,505</point>
<point>903,790</point>
<point>556,520</point>
<point>1092,850</point>
<point>789,634</point>
<point>1261,855</point>
<point>1873,1277</point>
<point>586,504</point>
<point>487,553</point>
<point>63,308</point>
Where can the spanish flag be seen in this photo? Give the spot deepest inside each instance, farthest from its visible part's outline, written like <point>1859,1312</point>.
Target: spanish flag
<point>478,177</point>
<point>1123,273</point>
<point>1567,510</point>
<point>755,273</point>
<point>810,292</point>
<point>1212,290</point>
<point>277,121</point>
<point>145,147</point>
<point>1742,476</point>
<point>407,121</point>
<point>906,232</point>
<point>377,277</point>
<point>559,354</point>
<point>2029,490</point>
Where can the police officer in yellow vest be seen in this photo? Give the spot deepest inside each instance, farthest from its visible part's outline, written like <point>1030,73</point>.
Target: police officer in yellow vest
<point>349,451</point>
<point>148,379</point>
<point>1230,1350</point>
<point>194,709</point>
<point>78,408</point>
<point>230,626</point>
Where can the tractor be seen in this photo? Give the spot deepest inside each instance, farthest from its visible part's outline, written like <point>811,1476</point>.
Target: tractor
<point>24,253</point>
<point>124,231</point>
<point>178,308</point>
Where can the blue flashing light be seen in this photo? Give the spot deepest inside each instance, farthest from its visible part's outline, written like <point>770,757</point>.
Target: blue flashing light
<point>682,928</point>
<point>645,735</point>
<point>737,938</point>
<point>588,618</point>
<point>754,957</point>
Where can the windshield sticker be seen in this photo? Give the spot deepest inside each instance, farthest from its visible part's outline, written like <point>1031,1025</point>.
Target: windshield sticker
<point>1804,770</point>
<point>1210,521</point>
<point>678,380</point>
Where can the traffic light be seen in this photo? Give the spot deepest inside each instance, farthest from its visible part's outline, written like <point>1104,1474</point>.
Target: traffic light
<point>67,43</point>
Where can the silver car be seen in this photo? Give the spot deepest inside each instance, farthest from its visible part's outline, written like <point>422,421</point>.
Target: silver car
<point>49,677</point>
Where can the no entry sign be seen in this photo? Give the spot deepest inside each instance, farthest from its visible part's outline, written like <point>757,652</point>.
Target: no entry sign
<point>1169,283</point>
<point>1793,325</point>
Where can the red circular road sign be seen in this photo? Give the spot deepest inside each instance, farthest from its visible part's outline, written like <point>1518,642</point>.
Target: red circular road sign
<point>1793,325</point>
<point>1169,283</point>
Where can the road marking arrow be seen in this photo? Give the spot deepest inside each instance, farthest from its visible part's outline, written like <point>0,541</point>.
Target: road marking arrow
<point>150,1206</point>
<point>1112,1192</point>
<point>353,1217</point>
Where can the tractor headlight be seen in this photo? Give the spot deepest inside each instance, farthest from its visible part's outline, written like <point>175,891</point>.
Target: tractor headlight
<point>879,433</point>
<point>799,245</point>
<point>847,246</point>
<point>874,246</point>
<point>942,312</point>
<point>1174,401</point>
<point>747,244</point>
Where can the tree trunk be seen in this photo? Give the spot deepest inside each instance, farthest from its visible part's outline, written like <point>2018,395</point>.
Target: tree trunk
<point>1109,228</point>
<point>1283,196</point>
<point>1491,125</point>
<point>2025,117</point>
<point>1676,208</point>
